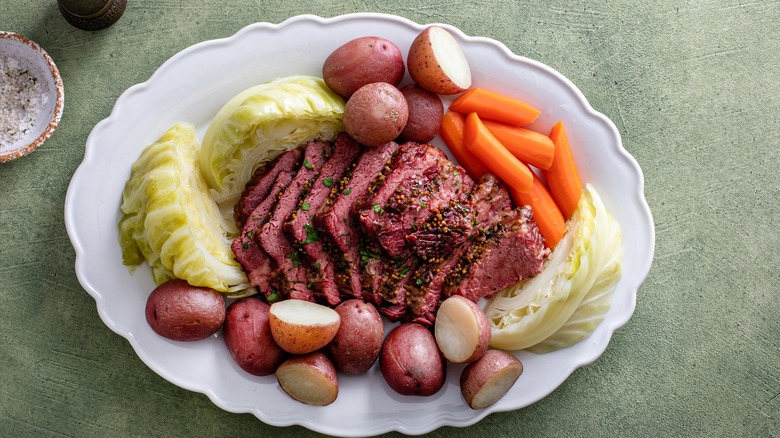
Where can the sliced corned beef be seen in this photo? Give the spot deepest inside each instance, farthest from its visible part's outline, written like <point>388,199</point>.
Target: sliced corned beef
<point>257,264</point>
<point>300,226</point>
<point>511,250</point>
<point>421,180</point>
<point>289,263</point>
<point>488,202</point>
<point>259,186</point>
<point>359,266</point>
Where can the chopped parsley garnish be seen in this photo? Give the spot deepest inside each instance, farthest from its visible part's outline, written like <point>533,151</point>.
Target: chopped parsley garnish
<point>307,165</point>
<point>347,191</point>
<point>305,207</point>
<point>378,209</point>
<point>273,297</point>
<point>327,182</point>
<point>294,258</point>
<point>311,235</point>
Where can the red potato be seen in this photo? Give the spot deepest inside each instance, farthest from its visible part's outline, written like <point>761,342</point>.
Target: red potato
<point>437,63</point>
<point>411,362</point>
<point>247,335</point>
<point>461,329</point>
<point>375,114</point>
<point>485,381</point>
<point>425,114</point>
<point>179,311</point>
<point>356,346</point>
<point>360,62</point>
<point>300,326</point>
<point>310,379</point>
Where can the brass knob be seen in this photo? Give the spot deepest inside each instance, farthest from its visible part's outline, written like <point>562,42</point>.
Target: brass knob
<point>92,14</point>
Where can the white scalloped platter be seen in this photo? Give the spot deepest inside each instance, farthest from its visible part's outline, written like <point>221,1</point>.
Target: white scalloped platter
<point>195,83</point>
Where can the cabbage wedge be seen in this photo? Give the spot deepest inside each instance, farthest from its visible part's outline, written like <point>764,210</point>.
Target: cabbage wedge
<point>570,297</point>
<point>170,221</point>
<point>260,123</point>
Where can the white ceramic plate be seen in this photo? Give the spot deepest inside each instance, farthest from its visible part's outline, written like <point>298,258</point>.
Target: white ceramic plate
<point>195,83</point>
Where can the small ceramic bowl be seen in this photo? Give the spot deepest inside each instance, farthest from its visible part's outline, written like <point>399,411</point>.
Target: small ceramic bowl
<point>31,96</point>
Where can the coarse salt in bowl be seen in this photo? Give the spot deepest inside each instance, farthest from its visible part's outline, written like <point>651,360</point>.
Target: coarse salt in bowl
<point>31,96</point>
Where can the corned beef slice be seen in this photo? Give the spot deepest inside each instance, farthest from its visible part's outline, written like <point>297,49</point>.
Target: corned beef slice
<point>421,180</point>
<point>511,250</point>
<point>257,264</point>
<point>301,229</point>
<point>359,267</point>
<point>289,265</point>
<point>488,202</point>
<point>259,186</point>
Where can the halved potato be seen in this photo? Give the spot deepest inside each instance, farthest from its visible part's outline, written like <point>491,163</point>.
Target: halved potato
<point>437,63</point>
<point>310,379</point>
<point>485,381</point>
<point>461,329</point>
<point>300,326</point>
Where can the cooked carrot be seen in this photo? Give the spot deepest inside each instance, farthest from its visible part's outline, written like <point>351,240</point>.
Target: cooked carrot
<point>528,146</point>
<point>547,215</point>
<point>562,177</point>
<point>451,132</point>
<point>496,157</point>
<point>494,106</point>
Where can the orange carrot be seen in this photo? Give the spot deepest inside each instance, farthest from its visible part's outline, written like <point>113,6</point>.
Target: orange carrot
<point>490,151</point>
<point>451,132</point>
<point>547,215</point>
<point>528,146</point>
<point>494,106</point>
<point>562,177</point>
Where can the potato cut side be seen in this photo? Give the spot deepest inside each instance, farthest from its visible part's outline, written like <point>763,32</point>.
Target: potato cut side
<point>496,387</point>
<point>450,57</point>
<point>310,379</point>
<point>486,380</point>
<point>462,330</point>
<point>304,312</point>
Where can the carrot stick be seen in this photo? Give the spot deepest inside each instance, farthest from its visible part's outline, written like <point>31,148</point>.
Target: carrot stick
<point>490,151</point>
<point>562,177</point>
<point>494,106</point>
<point>547,215</point>
<point>528,146</point>
<point>451,132</point>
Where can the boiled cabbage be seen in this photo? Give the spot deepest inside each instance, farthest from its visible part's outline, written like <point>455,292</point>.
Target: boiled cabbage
<point>170,221</point>
<point>567,300</point>
<point>260,123</point>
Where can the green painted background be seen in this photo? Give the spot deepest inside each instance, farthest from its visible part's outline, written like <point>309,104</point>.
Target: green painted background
<point>694,88</point>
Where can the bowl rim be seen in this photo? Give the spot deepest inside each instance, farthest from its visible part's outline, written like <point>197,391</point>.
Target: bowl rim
<point>19,152</point>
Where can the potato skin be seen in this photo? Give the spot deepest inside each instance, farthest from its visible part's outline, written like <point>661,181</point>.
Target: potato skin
<point>363,61</point>
<point>425,114</point>
<point>309,378</point>
<point>375,114</point>
<point>356,346</point>
<point>179,311</point>
<point>410,361</point>
<point>247,335</point>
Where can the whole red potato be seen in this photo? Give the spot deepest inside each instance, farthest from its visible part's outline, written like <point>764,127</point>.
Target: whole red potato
<point>179,311</point>
<point>363,61</point>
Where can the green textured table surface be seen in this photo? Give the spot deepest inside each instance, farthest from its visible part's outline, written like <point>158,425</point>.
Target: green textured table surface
<point>692,85</point>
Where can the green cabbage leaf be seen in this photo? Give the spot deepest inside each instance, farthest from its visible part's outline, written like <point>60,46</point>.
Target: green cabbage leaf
<point>170,221</point>
<point>260,123</point>
<point>570,297</point>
